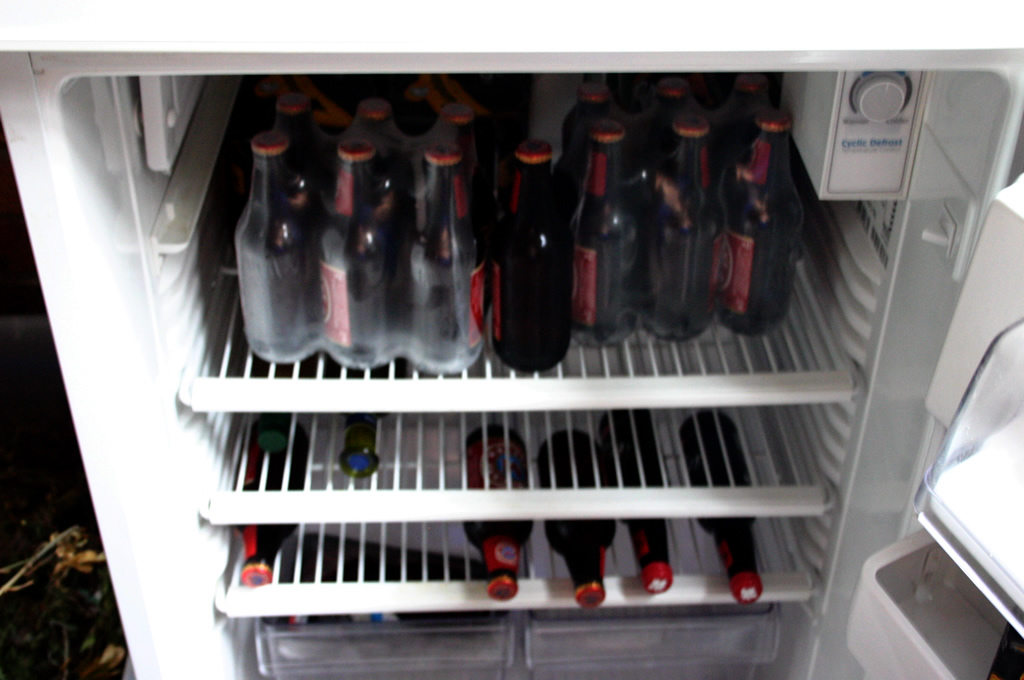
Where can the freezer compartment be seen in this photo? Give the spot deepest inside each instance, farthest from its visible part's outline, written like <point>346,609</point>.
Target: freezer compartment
<point>424,473</point>
<point>714,642</point>
<point>436,647</point>
<point>354,568</point>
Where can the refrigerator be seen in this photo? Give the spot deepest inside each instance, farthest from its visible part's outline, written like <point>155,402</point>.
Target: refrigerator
<point>116,129</point>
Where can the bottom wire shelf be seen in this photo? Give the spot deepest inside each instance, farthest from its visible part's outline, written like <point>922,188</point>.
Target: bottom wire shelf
<point>430,567</point>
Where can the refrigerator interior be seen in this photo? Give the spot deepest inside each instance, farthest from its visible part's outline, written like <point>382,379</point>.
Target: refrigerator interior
<point>143,301</point>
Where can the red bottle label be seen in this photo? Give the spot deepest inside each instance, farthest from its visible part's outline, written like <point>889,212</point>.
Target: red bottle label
<point>496,463</point>
<point>513,203</point>
<point>597,174</point>
<point>756,171</point>
<point>501,552</point>
<point>334,287</point>
<point>249,540</point>
<point>641,548</point>
<point>584,292</point>
<point>476,306</point>
<point>253,465</point>
<point>604,551</point>
<point>496,300</point>
<point>343,199</point>
<point>739,256</point>
<point>725,553</point>
<point>705,169</point>
<point>461,204</point>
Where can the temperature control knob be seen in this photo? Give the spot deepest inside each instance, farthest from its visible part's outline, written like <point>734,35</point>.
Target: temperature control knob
<point>880,96</point>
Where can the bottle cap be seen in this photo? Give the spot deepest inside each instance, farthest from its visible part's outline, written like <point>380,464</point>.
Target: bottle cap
<point>751,82</point>
<point>457,113</point>
<point>256,574</point>
<point>691,126</point>
<point>293,102</point>
<point>607,131</point>
<point>590,595</point>
<point>773,120</point>
<point>270,143</point>
<point>595,93</point>
<point>746,586</point>
<point>673,87</point>
<point>374,108</point>
<point>356,150</point>
<point>656,577</point>
<point>533,152</point>
<point>273,431</point>
<point>359,463</point>
<point>443,154</point>
<point>502,587</point>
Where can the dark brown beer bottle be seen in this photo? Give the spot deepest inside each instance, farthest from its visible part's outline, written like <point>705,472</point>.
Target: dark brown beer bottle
<point>629,437</point>
<point>499,456</point>
<point>763,222</point>
<point>310,153</point>
<point>712,450</point>
<point>566,461</point>
<point>593,102</point>
<point>532,269</point>
<point>733,127</point>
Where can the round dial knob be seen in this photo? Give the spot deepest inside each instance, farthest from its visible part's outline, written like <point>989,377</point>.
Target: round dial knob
<point>879,96</point>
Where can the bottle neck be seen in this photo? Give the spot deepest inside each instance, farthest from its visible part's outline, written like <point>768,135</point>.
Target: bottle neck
<point>354,183</point>
<point>769,160</point>
<point>604,169</point>
<point>531,188</point>
<point>447,208</point>
<point>691,162</point>
<point>268,177</point>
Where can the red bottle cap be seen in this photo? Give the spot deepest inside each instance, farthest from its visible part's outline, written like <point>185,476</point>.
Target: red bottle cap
<point>293,102</point>
<point>607,131</point>
<point>457,113</point>
<point>374,108</point>
<point>270,143</point>
<point>751,82</point>
<point>502,588</point>
<point>533,152</point>
<point>691,126</point>
<point>673,87</point>
<point>656,577</point>
<point>256,574</point>
<point>443,154</point>
<point>590,595</point>
<point>773,120</point>
<point>595,93</point>
<point>746,586</point>
<point>356,150</point>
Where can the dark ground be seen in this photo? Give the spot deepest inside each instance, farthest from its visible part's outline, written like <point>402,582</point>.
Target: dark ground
<point>58,618</point>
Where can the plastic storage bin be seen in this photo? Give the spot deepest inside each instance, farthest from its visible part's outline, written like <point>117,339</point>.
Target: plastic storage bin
<point>470,647</point>
<point>706,643</point>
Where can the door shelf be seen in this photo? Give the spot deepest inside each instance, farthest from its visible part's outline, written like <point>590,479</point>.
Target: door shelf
<point>440,583</point>
<point>423,474</point>
<point>798,362</point>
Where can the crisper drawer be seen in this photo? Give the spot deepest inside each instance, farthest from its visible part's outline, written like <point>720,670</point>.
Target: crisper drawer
<point>467,647</point>
<point>698,642</point>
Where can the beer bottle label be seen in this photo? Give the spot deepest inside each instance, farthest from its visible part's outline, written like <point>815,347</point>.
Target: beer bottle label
<point>501,552</point>
<point>598,174</point>
<point>334,287</point>
<point>343,199</point>
<point>739,253</point>
<point>756,170</point>
<point>461,204</point>
<point>641,547</point>
<point>584,294</point>
<point>497,463</point>
<point>476,305</point>
<point>496,300</point>
<point>513,203</point>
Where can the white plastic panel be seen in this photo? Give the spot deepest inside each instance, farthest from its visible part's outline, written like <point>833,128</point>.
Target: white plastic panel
<point>167,103</point>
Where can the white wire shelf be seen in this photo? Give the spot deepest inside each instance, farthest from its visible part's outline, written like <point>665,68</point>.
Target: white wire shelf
<point>423,474</point>
<point>317,573</point>
<point>798,362</point>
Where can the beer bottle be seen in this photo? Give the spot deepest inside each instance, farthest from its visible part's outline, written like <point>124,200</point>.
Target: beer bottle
<point>733,126</point>
<point>711,448</point>
<point>565,461</point>
<point>374,121</point>
<point>687,220</point>
<point>605,252</point>
<point>593,102</point>
<point>310,152</point>
<point>502,452</point>
<point>263,541</point>
<point>359,451</point>
<point>275,242</point>
<point>763,220</point>
<point>628,436</point>
<point>447,292</point>
<point>357,263</point>
<point>672,99</point>
<point>531,322</point>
